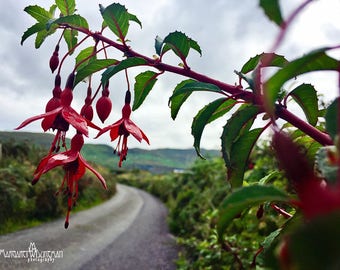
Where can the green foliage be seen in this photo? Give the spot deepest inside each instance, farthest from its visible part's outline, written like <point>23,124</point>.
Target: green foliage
<point>93,66</point>
<point>40,28</point>
<point>179,43</point>
<point>24,205</point>
<point>143,85</point>
<point>306,96</point>
<point>275,61</point>
<point>122,65</point>
<point>206,115</point>
<point>117,19</point>
<point>332,119</point>
<point>316,60</point>
<point>243,198</point>
<point>67,7</point>
<point>272,10</point>
<point>74,20</point>
<point>184,89</point>
<point>319,241</point>
<point>193,199</point>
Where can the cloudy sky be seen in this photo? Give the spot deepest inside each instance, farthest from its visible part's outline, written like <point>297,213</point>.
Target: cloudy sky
<point>228,32</point>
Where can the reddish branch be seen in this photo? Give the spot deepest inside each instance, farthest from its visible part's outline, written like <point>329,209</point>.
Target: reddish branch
<point>235,91</point>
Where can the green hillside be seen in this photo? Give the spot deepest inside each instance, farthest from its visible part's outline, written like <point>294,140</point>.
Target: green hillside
<point>155,160</point>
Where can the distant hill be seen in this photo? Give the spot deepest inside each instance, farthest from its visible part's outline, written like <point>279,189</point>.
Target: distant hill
<point>155,160</point>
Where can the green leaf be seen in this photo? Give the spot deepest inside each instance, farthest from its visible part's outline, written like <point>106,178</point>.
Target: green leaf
<point>193,86</point>
<point>269,177</point>
<point>52,10</point>
<point>238,123</point>
<point>272,9</point>
<point>276,61</point>
<point>314,61</point>
<point>85,54</point>
<point>184,90</point>
<point>117,19</point>
<point>92,67</point>
<point>135,19</point>
<point>332,119</point>
<point>71,40</point>
<point>67,7</point>
<point>43,17</point>
<point>32,30</point>
<point>306,96</point>
<point>239,155</point>
<point>124,64</point>
<point>143,85</point>
<point>72,20</point>
<point>209,113</point>
<point>42,35</point>
<point>175,102</point>
<point>242,199</point>
<point>38,13</point>
<point>319,241</point>
<point>180,44</point>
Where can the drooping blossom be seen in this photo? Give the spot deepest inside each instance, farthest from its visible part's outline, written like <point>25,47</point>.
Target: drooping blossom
<point>62,116</point>
<point>316,196</point>
<point>74,166</point>
<point>122,129</point>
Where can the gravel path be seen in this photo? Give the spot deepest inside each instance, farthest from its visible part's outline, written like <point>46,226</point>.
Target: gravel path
<point>127,232</point>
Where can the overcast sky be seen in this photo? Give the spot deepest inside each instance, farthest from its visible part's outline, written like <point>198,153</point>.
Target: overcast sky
<point>228,31</point>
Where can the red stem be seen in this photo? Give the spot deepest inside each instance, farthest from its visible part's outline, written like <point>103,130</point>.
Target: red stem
<point>235,91</point>
<point>281,211</point>
<point>304,126</point>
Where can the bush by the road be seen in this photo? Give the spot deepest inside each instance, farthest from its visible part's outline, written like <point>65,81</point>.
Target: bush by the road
<point>193,198</point>
<point>24,205</point>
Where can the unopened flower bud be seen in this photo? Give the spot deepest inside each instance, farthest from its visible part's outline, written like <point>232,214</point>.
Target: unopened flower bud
<point>54,60</point>
<point>70,81</point>
<point>103,108</point>
<point>87,112</point>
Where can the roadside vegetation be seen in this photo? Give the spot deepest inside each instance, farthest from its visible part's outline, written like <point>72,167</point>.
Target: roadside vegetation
<point>193,198</point>
<point>23,205</point>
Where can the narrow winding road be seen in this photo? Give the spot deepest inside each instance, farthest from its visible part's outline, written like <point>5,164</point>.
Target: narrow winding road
<point>127,232</point>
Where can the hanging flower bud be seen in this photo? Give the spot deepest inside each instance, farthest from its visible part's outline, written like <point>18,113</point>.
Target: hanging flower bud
<point>87,110</point>
<point>54,102</point>
<point>67,95</point>
<point>104,104</point>
<point>54,60</point>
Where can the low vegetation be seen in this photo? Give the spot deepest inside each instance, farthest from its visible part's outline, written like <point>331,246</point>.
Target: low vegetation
<point>23,205</point>
<point>193,198</point>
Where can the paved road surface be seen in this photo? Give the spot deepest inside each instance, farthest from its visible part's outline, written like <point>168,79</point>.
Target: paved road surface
<point>127,232</point>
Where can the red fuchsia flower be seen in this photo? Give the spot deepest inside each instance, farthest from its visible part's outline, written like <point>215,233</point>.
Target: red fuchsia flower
<point>74,166</point>
<point>122,129</point>
<point>316,197</point>
<point>60,117</point>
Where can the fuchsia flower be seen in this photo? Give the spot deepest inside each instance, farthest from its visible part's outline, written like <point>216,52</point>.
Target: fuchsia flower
<point>122,129</point>
<point>316,197</point>
<point>63,115</point>
<point>74,166</point>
